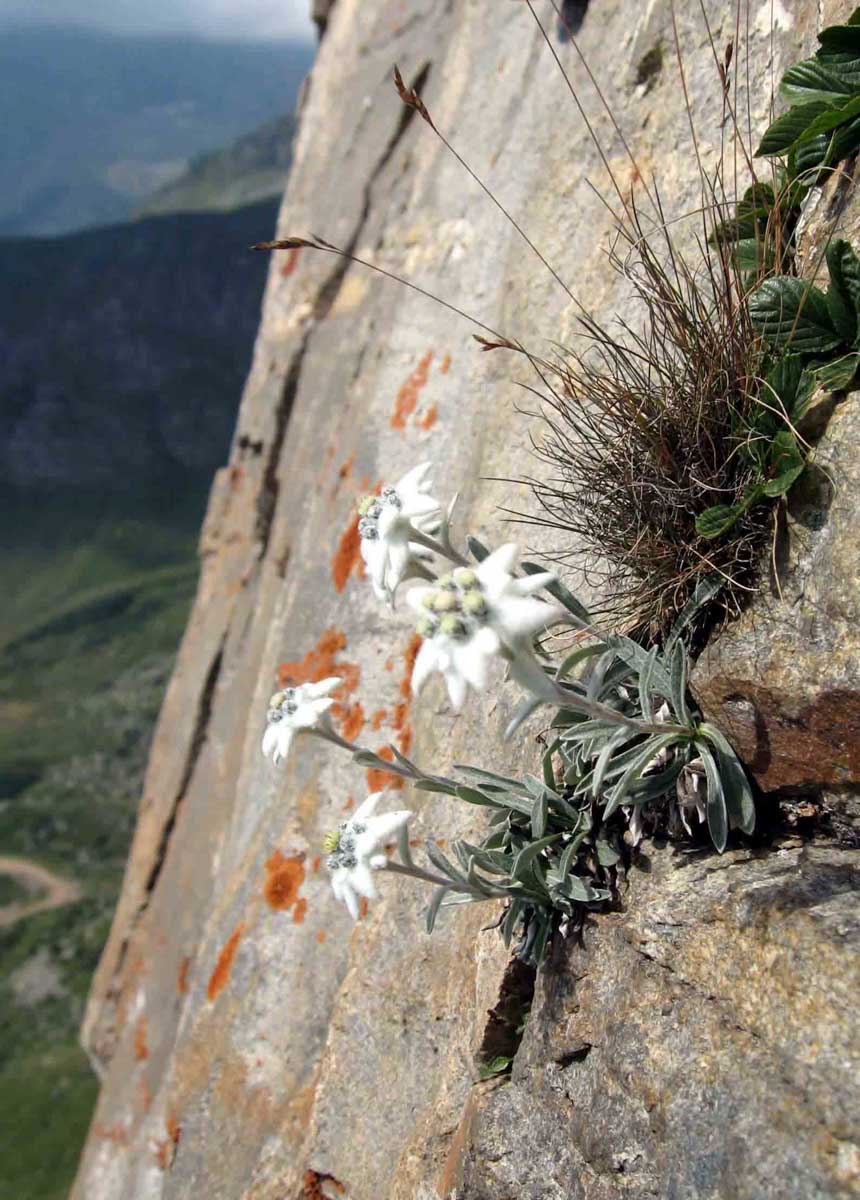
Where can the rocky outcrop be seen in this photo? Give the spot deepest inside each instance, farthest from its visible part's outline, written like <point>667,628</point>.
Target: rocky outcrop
<point>253,1044</point>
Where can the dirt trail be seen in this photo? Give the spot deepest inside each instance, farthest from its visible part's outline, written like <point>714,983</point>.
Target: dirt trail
<point>56,889</point>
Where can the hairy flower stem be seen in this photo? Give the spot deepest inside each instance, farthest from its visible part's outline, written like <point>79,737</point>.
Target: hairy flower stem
<point>443,548</point>
<point>440,881</point>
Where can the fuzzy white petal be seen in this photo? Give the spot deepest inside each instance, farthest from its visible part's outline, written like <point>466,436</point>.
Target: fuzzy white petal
<point>361,880</point>
<point>367,807</point>
<point>426,662</point>
<point>456,689</point>
<point>323,687</point>
<point>343,891</point>
<point>379,831</point>
<point>517,619</point>
<point>270,739</point>
<point>530,584</point>
<point>308,714</point>
<point>414,479</point>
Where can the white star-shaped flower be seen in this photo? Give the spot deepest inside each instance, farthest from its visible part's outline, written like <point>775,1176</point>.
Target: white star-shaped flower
<point>476,615</point>
<point>387,524</point>
<point>353,856</point>
<point>296,710</point>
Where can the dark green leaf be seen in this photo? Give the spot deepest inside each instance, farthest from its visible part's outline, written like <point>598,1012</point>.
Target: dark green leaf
<point>787,311</point>
<point>786,463</point>
<point>703,594</point>
<point>826,149</point>
<point>843,296</point>
<point>497,1067</point>
<point>832,119</point>
<point>787,129</point>
<point>839,375</point>
<point>715,521</point>
<point>812,80</point>
<point>843,38</point>
<point>782,381</point>
<point>477,549</point>
<point>718,821</point>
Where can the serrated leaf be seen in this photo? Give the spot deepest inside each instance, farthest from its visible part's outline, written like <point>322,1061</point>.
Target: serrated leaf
<point>813,80</point>
<point>826,149</point>
<point>787,129</point>
<point>789,312</point>
<point>839,375</point>
<point>718,820</point>
<point>717,520</point>
<point>832,119</point>
<point>842,38</point>
<point>786,463</point>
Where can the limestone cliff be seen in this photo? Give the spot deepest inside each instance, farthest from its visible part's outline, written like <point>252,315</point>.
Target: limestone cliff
<point>256,1046</point>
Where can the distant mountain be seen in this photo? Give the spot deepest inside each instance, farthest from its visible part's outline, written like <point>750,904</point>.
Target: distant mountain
<point>252,169</point>
<point>123,350</point>
<point>94,123</point>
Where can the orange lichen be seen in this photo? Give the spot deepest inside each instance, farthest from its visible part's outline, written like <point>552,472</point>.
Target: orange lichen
<point>290,262</point>
<point>377,779</point>
<point>353,723</point>
<point>377,719</point>
<point>118,1134</point>
<point>312,1186</point>
<point>219,977</point>
<point>300,910</point>
<point>284,877</point>
<point>141,1052</point>
<point>347,558</point>
<point>349,804</point>
<point>429,419</point>
<point>407,397</point>
<point>320,936</point>
<point>363,907</point>
<point>145,1094</point>
<point>343,472</point>
<point>320,663</point>
<point>315,864</point>
<point>182,976</point>
<point>165,1148</point>
<point>445,365</point>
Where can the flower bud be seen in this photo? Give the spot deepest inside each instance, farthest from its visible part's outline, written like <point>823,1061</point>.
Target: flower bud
<point>465,578</point>
<point>451,626</point>
<point>474,604</point>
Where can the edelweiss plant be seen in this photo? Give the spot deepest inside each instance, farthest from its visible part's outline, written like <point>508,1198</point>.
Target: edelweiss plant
<point>626,747</point>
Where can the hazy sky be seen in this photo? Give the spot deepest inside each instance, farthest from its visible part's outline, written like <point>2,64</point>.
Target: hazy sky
<point>254,19</point>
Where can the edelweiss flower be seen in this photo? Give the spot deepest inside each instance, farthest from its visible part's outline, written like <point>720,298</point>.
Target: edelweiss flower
<point>293,711</point>
<point>352,856</point>
<point>473,616</point>
<point>388,521</point>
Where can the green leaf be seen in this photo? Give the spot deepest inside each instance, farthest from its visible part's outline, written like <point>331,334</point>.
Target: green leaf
<point>836,116</point>
<point>646,754</point>
<point>606,855</point>
<point>790,127</point>
<point>786,463</point>
<point>678,676</point>
<point>718,821</point>
<point>577,656</point>
<point>839,375</point>
<point>498,1066</point>
<point>645,677</point>
<point>788,312</point>
<point>736,786</point>
<point>782,381</point>
<point>477,549</point>
<point>473,796</point>
<point>539,816</point>
<point>529,853</point>
<point>826,149</point>
<point>812,80</point>
<point>434,906</point>
<point>843,38</point>
<point>704,592</point>
<point>435,785</point>
<point>843,296</point>
<point>715,521</point>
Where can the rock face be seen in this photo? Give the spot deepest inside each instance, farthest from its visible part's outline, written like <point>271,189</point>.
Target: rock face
<point>255,1046</point>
